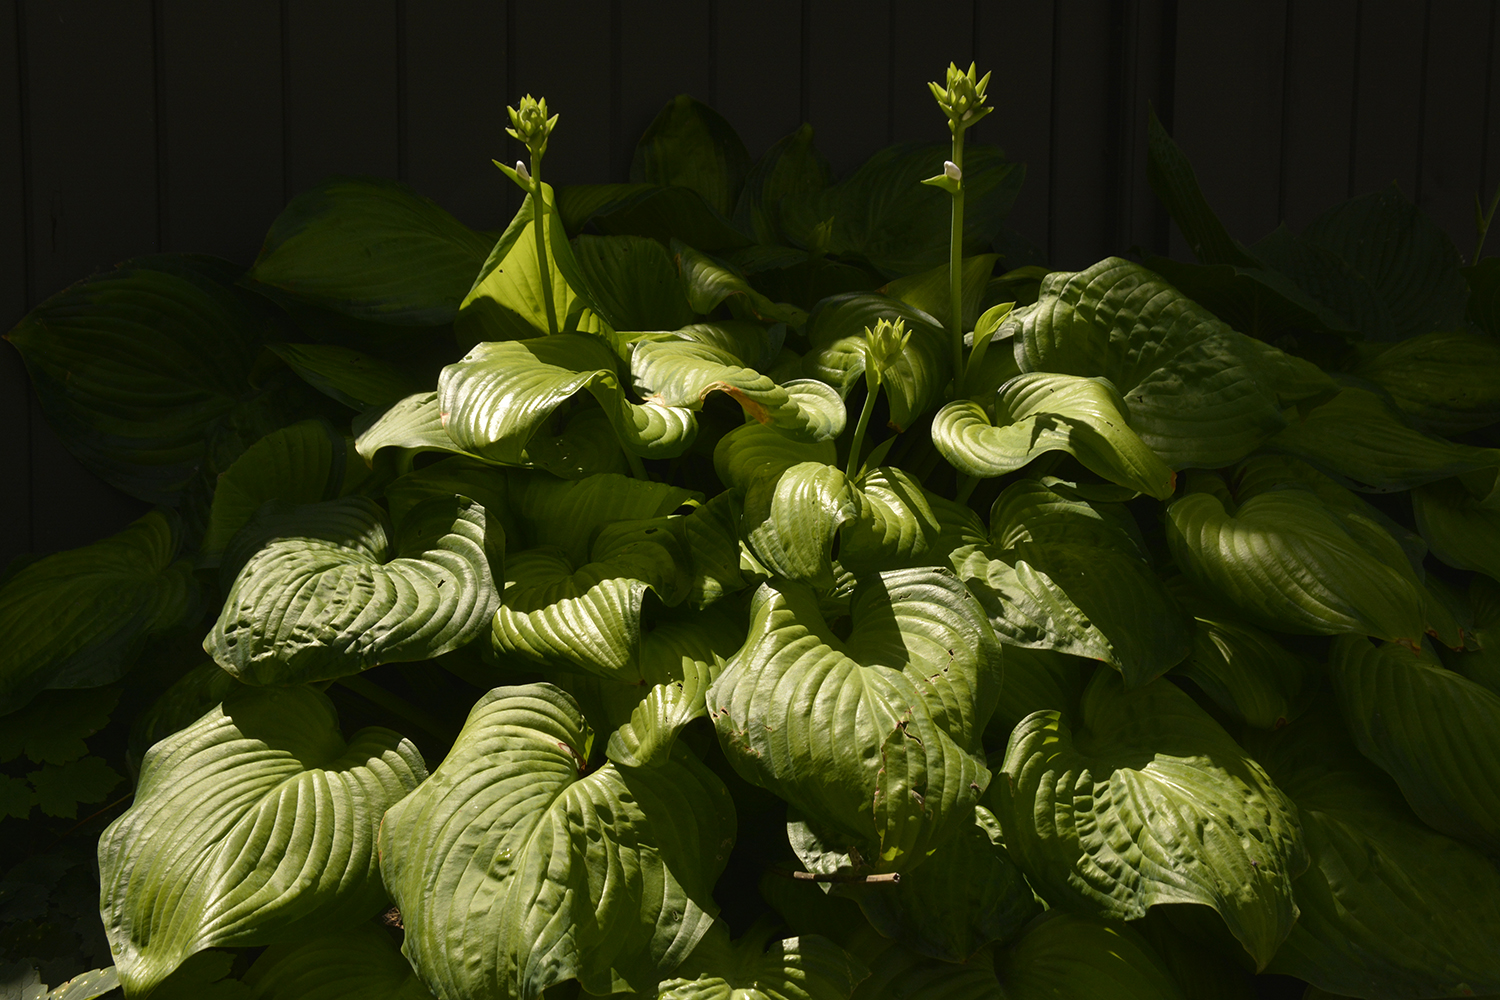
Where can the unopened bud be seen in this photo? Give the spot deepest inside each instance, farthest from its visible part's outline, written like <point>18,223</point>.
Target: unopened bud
<point>521,169</point>
<point>529,124</point>
<point>962,98</point>
<point>951,171</point>
<point>884,344</point>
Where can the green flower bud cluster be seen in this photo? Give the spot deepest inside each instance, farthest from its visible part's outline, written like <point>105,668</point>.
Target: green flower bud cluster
<point>530,124</point>
<point>884,344</point>
<point>962,100</point>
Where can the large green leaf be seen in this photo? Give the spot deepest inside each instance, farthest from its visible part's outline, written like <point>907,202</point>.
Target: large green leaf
<point>632,282</point>
<point>502,393</point>
<point>690,145</point>
<point>874,739</point>
<point>899,524</point>
<point>913,385</point>
<point>80,618</point>
<point>1484,295</point>
<point>791,168</point>
<point>1433,730</point>
<point>371,249</point>
<point>1146,801</point>
<point>1288,562</point>
<point>898,973</point>
<point>1066,955</point>
<point>255,824</point>
<point>792,520</point>
<point>352,377</point>
<point>414,424</point>
<point>967,895</point>
<point>325,591</point>
<point>1037,413</point>
<point>567,515</point>
<point>1390,909</point>
<point>1363,441</point>
<point>929,291</point>
<point>1446,382</point>
<point>1460,529</point>
<point>1173,180</point>
<point>515,870</point>
<point>809,967</point>
<point>1066,575</point>
<point>755,451</point>
<point>662,212</point>
<point>709,282</point>
<point>358,964</point>
<point>133,369</point>
<point>1245,671</point>
<point>1198,393</point>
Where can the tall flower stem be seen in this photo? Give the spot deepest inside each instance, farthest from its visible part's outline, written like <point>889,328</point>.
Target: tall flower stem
<point>956,267</point>
<point>539,223</point>
<point>852,467</point>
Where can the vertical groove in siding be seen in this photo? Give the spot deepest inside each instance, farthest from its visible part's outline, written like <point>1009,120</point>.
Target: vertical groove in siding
<point>1416,192</point>
<point>24,413</point>
<point>1359,19</point>
<point>1487,116</point>
<point>804,67</point>
<point>286,99</point>
<point>1052,116</point>
<point>403,155</point>
<point>158,81</point>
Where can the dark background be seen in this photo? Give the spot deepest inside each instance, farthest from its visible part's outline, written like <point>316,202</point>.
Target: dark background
<point>136,126</point>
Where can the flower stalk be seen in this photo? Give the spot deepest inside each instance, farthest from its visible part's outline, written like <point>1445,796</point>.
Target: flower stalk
<point>530,125</point>
<point>883,345</point>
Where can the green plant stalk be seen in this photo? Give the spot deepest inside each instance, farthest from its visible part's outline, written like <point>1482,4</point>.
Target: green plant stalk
<point>858,444</point>
<point>955,269</point>
<point>539,223</point>
<point>637,467</point>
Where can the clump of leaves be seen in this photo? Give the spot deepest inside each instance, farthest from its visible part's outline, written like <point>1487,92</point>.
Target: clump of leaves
<point>725,582</point>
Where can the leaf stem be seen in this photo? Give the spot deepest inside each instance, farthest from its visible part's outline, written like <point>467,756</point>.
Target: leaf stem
<point>860,428</point>
<point>539,223</point>
<point>966,485</point>
<point>399,707</point>
<point>955,268</point>
<point>1483,219</point>
<point>637,467</point>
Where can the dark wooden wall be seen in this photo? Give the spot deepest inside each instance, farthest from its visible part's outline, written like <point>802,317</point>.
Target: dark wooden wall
<point>134,126</point>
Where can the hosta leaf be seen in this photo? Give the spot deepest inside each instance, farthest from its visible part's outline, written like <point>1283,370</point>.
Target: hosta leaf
<point>1198,393</point>
<point>967,895</point>
<point>1287,562</point>
<point>413,424</point>
<point>87,985</point>
<point>134,367</point>
<point>1038,413</point>
<point>708,282</point>
<point>79,618</point>
<point>467,477</point>
<point>1244,670</point>
<point>1390,908</point>
<point>358,964</point>
<point>897,973</point>
<point>1173,180</point>
<point>900,524</point>
<point>913,385</point>
<point>585,446</point>
<point>568,515</point>
<point>690,145</point>
<point>502,393</point>
<point>1362,441</point>
<point>1066,955</point>
<point>791,168</point>
<point>1062,574</point>
<point>353,378</point>
<point>182,704</point>
<point>795,968</point>
<point>1460,530</point>
<point>307,462</point>
<point>791,520</point>
<point>1484,295</point>
<point>604,877</point>
<point>1446,382</point>
<point>754,451</point>
<point>662,212</point>
<point>872,738</point>
<point>1147,801</point>
<point>371,249</point>
<point>255,824</point>
<point>1433,730</point>
<point>632,282</point>
<point>1036,679</point>
<point>929,290</point>
<point>329,593</point>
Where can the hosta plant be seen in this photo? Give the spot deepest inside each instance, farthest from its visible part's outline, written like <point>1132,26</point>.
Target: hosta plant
<point>743,582</point>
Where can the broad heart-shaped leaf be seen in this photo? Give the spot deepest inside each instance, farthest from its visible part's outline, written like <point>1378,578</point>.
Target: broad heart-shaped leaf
<point>1446,382</point>
<point>632,282</point>
<point>1434,731</point>
<point>515,871</point>
<point>884,215</point>
<point>1244,670</point>
<point>1173,180</point>
<point>255,824</point>
<point>1390,908</point>
<point>502,393</point>
<point>357,964</point>
<point>755,451</point>
<point>568,515</point>
<point>967,895</point>
<point>661,212</point>
<point>897,973</point>
<point>1288,562</point>
<point>899,524</point>
<point>929,290</point>
<point>809,967</point>
<point>792,167</point>
<point>873,739</point>
<point>372,249</point>
<point>79,618</point>
<point>1063,954</point>
<point>681,370</point>
<point>1147,801</point>
<point>413,424</point>
<point>353,378</point>
<point>506,301</point>
<point>307,462</point>
<point>1460,530</point>
<point>133,368</point>
<point>709,282</point>
<point>836,329</point>
<point>1066,575</point>
<point>1362,441</point>
<point>1199,394</point>
<point>328,593</point>
<point>1037,413</point>
<point>690,145</point>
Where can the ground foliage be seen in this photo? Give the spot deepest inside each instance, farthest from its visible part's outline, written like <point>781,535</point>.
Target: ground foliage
<point>739,582</point>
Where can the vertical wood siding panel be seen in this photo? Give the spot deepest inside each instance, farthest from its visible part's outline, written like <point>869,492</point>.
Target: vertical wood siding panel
<point>1453,129</point>
<point>15,406</point>
<point>455,107</point>
<point>927,37</point>
<point>220,105</point>
<point>849,80</point>
<point>91,112</point>
<point>341,102</point>
<point>666,49</point>
<point>1227,110</point>
<point>758,69</point>
<point>1145,77</point>
<point>1081,195</point>
<point>1387,116</point>
<point>571,68</point>
<point>1317,125</point>
<point>1014,38</point>
<point>1492,125</point>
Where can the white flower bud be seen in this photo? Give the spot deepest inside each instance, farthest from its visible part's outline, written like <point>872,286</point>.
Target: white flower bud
<point>952,171</point>
<point>521,169</point>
